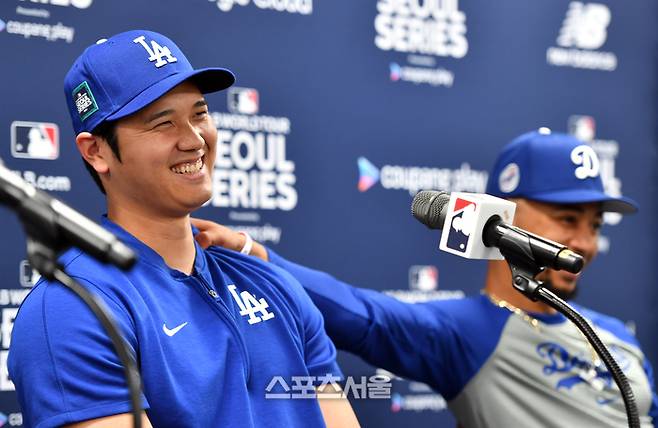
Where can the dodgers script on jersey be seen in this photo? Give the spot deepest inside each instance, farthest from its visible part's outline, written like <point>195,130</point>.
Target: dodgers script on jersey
<point>207,344</point>
<point>494,368</point>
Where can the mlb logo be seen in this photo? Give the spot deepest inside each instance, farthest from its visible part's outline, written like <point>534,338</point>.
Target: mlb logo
<point>423,278</point>
<point>34,140</point>
<point>582,127</point>
<point>462,223</point>
<point>26,275</point>
<point>243,100</point>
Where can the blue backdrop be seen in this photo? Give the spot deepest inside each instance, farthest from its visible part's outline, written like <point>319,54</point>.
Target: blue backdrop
<point>342,111</point>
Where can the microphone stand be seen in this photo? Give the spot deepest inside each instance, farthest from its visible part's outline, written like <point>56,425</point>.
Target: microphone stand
<point>44,242</point>
<point>523,274</point>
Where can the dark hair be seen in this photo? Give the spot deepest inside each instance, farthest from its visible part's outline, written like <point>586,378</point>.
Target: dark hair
<point>107,131</point>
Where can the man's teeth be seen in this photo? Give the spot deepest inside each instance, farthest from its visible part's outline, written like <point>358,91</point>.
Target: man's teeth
<point>188,168</point>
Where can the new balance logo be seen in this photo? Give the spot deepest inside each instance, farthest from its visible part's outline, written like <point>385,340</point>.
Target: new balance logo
<point>160,54</point>
<point>585,156</point>
<point>250,306</point>
<point>585,26</point>
<point>170,332</point>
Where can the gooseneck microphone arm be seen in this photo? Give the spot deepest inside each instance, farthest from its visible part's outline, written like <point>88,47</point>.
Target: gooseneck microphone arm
<point>632,414</point>
<point>527,255</point>
<point>523,281</point>
<point>51,227</point>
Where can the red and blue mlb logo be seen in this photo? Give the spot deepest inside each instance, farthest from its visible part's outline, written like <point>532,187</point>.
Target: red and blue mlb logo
<point>243,100</point>
<point>34,140</point>
<point>462,221</point>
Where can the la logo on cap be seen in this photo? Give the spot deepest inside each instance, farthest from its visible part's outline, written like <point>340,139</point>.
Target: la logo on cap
<point>160,54</point>
<point>588,162</point>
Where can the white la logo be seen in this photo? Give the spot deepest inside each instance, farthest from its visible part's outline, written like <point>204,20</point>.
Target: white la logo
<point>585,156</point>
<point>249,305</point>
<point>585,26</point>
<point>156,52</point>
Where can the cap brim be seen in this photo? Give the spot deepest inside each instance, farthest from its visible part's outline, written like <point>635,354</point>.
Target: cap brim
<point>620,204</point>
<point>207,79</point>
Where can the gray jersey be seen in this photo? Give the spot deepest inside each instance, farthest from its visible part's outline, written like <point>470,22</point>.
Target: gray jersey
<point>545,377</point>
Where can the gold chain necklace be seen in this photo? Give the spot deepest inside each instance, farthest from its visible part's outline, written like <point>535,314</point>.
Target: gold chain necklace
<point>590,375</point>
<point>513,309</point>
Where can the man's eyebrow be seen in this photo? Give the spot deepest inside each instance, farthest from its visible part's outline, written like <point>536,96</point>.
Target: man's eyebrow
<point>158,115</point>
<point>576,208</point>
<point>200,103</point>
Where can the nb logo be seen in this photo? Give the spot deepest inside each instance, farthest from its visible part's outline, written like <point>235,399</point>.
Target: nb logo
<point>585,26</point>
<point>160,54</point>
<point>250,306</point>
<point>585,156</point>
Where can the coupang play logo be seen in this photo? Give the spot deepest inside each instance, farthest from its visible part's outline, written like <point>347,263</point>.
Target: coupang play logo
<point>2,25</point>
<point>415,178</point>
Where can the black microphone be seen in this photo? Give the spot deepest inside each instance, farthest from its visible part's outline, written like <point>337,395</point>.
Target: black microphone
<point>68,226</point>
<point>432,207</point>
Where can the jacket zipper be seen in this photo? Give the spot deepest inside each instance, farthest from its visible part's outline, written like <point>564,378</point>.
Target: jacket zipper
<point>221,308</point>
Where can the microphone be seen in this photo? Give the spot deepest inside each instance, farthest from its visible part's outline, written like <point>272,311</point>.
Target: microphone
<point>61,221</point>
<point>477,226</point>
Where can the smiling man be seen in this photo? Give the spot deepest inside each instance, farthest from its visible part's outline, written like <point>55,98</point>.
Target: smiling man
<point>211,330</point>
<point>499,359</point>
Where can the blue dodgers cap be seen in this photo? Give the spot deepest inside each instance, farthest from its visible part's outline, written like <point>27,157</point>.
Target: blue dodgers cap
<point>123,74</point>
<point>555,168</point>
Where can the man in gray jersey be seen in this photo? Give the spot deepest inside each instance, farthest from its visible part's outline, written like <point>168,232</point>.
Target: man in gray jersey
<point>498,358</point>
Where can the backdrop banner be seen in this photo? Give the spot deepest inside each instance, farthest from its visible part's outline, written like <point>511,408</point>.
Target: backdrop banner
<point>341,112</point>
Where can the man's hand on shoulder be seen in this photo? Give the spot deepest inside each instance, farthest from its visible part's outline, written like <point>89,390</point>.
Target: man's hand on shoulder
<point>211,233</point>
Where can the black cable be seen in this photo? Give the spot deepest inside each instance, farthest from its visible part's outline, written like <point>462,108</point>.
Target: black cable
<point>618,375</point>
<point>100,311</point>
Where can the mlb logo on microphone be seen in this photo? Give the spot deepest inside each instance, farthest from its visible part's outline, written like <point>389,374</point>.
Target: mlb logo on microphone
<point>34,140</point>
<point>243,100</point>
<point>462,222</point>
<point>465,222</point>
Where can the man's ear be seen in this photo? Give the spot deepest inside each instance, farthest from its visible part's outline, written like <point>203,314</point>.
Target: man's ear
<point>94,150</point>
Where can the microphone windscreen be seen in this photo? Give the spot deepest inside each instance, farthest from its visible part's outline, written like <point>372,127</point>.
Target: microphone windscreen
<point>429,207</point>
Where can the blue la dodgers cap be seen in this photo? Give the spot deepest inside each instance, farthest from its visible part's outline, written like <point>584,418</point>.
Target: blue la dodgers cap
<point>119,76</point>
<point>552,167</point>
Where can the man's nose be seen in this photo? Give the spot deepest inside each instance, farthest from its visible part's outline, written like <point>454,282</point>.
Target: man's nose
<point>191,138</point>
<point>584,242</point>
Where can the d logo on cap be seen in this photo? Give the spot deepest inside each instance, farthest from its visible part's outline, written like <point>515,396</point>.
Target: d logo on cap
<point>586,157</point>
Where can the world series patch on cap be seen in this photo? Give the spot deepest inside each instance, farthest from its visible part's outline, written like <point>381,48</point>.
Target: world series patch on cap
<point>123,74</point>
<point>555,168</point>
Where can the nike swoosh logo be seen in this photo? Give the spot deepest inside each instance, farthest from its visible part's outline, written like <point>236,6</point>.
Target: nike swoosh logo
<point>171,332</point>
